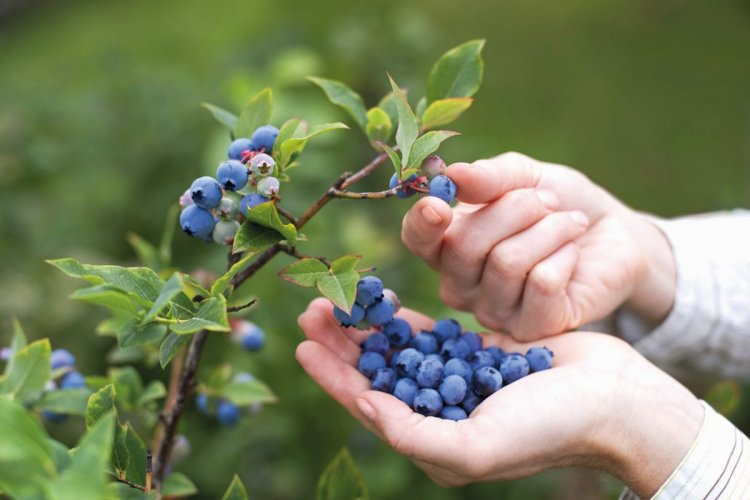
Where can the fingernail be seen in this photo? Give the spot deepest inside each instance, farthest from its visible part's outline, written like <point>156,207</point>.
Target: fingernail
<point>366,409</point>
<point>430,215</point>
<point>579,218</point>
<point>547,198</point>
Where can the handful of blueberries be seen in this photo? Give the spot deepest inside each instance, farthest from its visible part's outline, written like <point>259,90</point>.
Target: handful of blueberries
<point>444,372</point>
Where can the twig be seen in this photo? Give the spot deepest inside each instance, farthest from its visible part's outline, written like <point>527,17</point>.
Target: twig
<point>287,215</point>
<point>241,307</point>
<point>299,255</point>
<point>131,484</point>
<point>149,472</point>
<point>375,195</point>
<point>365,171</point>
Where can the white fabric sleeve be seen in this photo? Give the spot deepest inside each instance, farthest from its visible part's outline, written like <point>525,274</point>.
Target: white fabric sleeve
<point>717,466</point>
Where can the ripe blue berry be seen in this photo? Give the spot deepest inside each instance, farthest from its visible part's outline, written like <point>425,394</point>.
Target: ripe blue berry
<point>72,380</point>
<point>369,363</point>
<point>405,390</point>
<point>429,373</point>
<point>486,380</point>
<point>453,413</point>
<point>238,146</point>
<point>225,231</point>
<point>471,401</point>
<point>197,222</point>
<point>53,418</point>
<point>201,402</point>
<point>496,353</point>
<point>424,342</point>
<point>206,192</point>
<point>460,367</point>
<point>442,187</point>
<point>232,175</point>
<point>391,297</point>
<point>455,348</point>
<point>453,389</point>
<point>478,359</point>
<point>347,320</point>
<point>393,359</point>
<point>403,191</point>
<point>474,340</point>
<point>446,329</point>
<point>60,358</point>
<point>379,313</point>
<point>251,200</point>
<point>248,335</point>
<point>432,166</point>
<point>268,187</point>
<point>264,137</point>
<point>398,332</point>
<point>383,380</point>
<point>436,357</point>
<point>514,367</point>
<point>263,165</point>
<point>377,342</point>
<point>369,290</point>
<point>539,358</point>
<point>228,413</point>
<point>428,402</point>
<point>407,363</point>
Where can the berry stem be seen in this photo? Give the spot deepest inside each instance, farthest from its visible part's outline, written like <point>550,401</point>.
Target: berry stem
<point>374,195</point>
<point>241,307</point>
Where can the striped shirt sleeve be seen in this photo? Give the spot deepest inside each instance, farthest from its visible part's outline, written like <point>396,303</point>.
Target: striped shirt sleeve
<point>717,467</point>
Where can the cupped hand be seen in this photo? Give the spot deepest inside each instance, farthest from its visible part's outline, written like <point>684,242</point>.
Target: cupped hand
<point>601,405</point>
<point>535,249</point>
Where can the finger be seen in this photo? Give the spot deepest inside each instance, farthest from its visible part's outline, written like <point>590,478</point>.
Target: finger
<point>487,180</point>
<point>466,245</point>
<point>510,262</point>
<point>319,325</point>
<point>423,227</point>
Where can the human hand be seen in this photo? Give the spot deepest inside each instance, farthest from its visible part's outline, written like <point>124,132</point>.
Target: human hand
<point>602,405</point>
<point>535,249</point>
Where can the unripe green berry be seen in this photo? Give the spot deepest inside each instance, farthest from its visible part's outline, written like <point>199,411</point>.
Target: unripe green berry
<point>225,231</point>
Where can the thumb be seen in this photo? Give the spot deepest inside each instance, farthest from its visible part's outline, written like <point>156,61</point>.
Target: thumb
<point>423,227</point>
<point>485,181</point>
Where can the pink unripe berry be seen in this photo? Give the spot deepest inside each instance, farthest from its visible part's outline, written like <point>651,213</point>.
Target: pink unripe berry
<point>433,165</point>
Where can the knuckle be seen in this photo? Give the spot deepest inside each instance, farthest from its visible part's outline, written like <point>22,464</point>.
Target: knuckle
<point>451,299</point>
<point>545,279</point>
<point>489,318</point>
<point>506,262</point>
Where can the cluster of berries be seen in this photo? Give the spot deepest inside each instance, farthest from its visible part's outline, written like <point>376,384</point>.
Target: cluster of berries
<point>433,180</point>
<point>444,372</point>
<point>66,377</point>
<point>209,212</point>
<point>226,412</point>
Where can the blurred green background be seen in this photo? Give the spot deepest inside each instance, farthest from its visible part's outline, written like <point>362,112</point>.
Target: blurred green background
<point>101,131</point>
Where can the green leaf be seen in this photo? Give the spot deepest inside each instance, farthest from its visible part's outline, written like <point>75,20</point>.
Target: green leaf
<point>171,289</point>
<point>340,285</point>
<point>426,145</point>
<point>131,334</point>
<point>100,403</point>
<point>345,263</point>
<point>226,118</point>
<point>169,347</point>
<point>109,296</point>
<point>128,385</point>
<point>342,480</point>
<point>248,392</point>
<point>304,272</point>
<point>254,234</point>
<point>236,490</point>
<point>147,253</point>
<point>211,316</point>
<point>137,451</point>
<point>65,401</point>
<point>120,453</point>
<point>221,284</point>
<point>408,129</point>
<point>388,104</point>
<point>16,344</point>
<point>420,109</point>
<point>256,113</point>
<point>458,73</point>
<point>26,464</point>
<point>153,391</point>
<point>218,378</point>
<point>293,147</point>
<point>178,485</point>
<point>445,111</point>
<point>60,454</point>
<point>341,95</point>
<point>28,372</point>
<point>165,245</point>
<point>287,131</point>
<point>379,126</point>
<point>393,156</point>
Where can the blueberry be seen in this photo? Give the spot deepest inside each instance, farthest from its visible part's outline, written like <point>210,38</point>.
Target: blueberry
<point>460,367</point>
<point>471,401</point>
<point>429,373</point>
<point>408,361</point>
<point>539,358</point>
<point>428,402</point>
<point>54,418</point>
<point>424,342</point>
<point>180,448</point>
<point>268,187</point>
<point>248,335</point>
<point>72,380</point>
<point>383,380</point>
<point>453,413</point>
<point>455,348</point>
<point>391,296</point>
<point>242,377</point>
<point>474,340</point>
<point>227,413</point>
<point>251,200</point>
<point>232,175</point>
<point>478,359</point>
<point>264,137</point>
<point>403,191</point>
<point>393,359</point>
<point>60,358</point>
<point>347,320</point>
<point>398,332</point>
<point>238,146</point>
<point>446,329</point>
<point>206,192</point>
<point>263,165</point>
<point>442,187</point>
<point>369,290</point>
<point>453,389</point>
<point>225,231</point>
<point>496,353</point>
<point>405,390</point>
<point>369,363</point>
<point>486,380</point>
<point>432,166</point>
<point>435,356</point>
<point>379,313</point>
<point>197,222</point>
<point>377,342</point>
<point>201,402</point>
<point>514,367</point>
